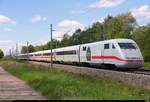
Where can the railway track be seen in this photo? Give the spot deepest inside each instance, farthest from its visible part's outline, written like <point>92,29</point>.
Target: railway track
<point>141,71</point>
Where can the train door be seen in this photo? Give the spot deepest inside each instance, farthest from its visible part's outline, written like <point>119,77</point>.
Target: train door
<point>107,53</point>
<point>110,53</point>
<point>114,53</point>
<point>83,51</point>
<point>79,53</point>
<point>97,53</point>
<point>55,55</point>
<point>102,53</point>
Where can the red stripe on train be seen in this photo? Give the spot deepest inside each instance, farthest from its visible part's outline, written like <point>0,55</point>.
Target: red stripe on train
<point>115,58</point>
<point>98,57</point>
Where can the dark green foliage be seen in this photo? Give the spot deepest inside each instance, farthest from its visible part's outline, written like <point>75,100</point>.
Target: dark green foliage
<point>27,50</point>
<point>24,50</point>
<point>31,48</point>
<point>142,37</point>
<point>1,54</point>
<point>120,26</point>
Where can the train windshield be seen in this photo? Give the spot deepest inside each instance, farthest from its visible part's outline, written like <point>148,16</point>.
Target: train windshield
<point>127,46</point>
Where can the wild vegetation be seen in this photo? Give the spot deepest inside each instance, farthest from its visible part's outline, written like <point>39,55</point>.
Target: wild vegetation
<point>121,26</point>
<point>61,85</point>
<point>1,54</point>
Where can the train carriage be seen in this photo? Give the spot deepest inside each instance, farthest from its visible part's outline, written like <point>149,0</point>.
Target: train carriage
<point>68,54</point>
<point>122,53</point>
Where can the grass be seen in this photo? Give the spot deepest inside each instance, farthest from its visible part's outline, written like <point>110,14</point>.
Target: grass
<point>61,85</point>
<point>147,65</point>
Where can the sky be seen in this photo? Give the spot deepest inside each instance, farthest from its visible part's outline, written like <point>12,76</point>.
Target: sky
<point>29,20</point>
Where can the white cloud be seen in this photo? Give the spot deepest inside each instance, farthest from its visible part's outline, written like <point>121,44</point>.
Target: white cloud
<point>5,41</point>
<point>5,30</point>
<point>5,45</point>
<point>6,20</point>
<point>106,3</point>
<point>67,26</point>
<point>58,35</point>
<point>38,18</point>
<point>142,11</point>
<point>39,42</point>
<point>68,23</point>
<point>101,20</point>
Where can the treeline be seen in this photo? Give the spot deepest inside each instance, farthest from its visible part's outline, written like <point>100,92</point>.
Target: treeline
<point>121,26</point>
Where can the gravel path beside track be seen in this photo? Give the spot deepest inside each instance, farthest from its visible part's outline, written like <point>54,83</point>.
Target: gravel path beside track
<point>12,88</point>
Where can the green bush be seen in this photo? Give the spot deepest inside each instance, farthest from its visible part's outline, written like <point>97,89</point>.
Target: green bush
<point>1,54</point>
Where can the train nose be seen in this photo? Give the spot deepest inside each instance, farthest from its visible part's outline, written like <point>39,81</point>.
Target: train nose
<point>134,62</point>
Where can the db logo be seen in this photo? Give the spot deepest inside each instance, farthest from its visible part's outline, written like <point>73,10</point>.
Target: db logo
<point>88,54</point>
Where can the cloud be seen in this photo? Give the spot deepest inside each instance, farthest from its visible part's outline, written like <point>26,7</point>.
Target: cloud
<point>39,42</point>
<point>67,26</point>
<point>38,18</point>
<point>6,41</point>
<point>6,20</point>
<point>68,23</point>
<point>58,35</point>
<point>101,20</point>
<point>106,3</point>
<point>142,11</point>
<point>6,30</point>
<point>5,45</point>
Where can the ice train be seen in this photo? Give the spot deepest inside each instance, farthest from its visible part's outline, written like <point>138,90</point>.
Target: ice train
<point>120,53</point>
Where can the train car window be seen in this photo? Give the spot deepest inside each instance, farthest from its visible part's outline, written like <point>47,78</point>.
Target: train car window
<point>127,46</point>
<point>84,48</point>
<point>73,52</point>
<point>113,46</point>
<point>38,55</point>
<point>60,53</point>
<point>106,46</point>
<point>47,54</point>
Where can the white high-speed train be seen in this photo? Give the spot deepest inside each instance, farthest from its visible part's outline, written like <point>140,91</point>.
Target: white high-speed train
<point>121,53</point>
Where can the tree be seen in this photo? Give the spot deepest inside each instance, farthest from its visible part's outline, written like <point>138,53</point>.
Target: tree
<point>65,41</point>
<point>24,50</point>
<point>119,26</point>
<point>1,54</point>
<point>142,37</point>
<point>31,48</point>
<point>28,49</point>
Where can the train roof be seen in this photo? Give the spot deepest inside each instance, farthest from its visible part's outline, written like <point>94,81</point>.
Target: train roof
<point>108,41</point>
<point>105,41</point>
<point>111,40</point>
